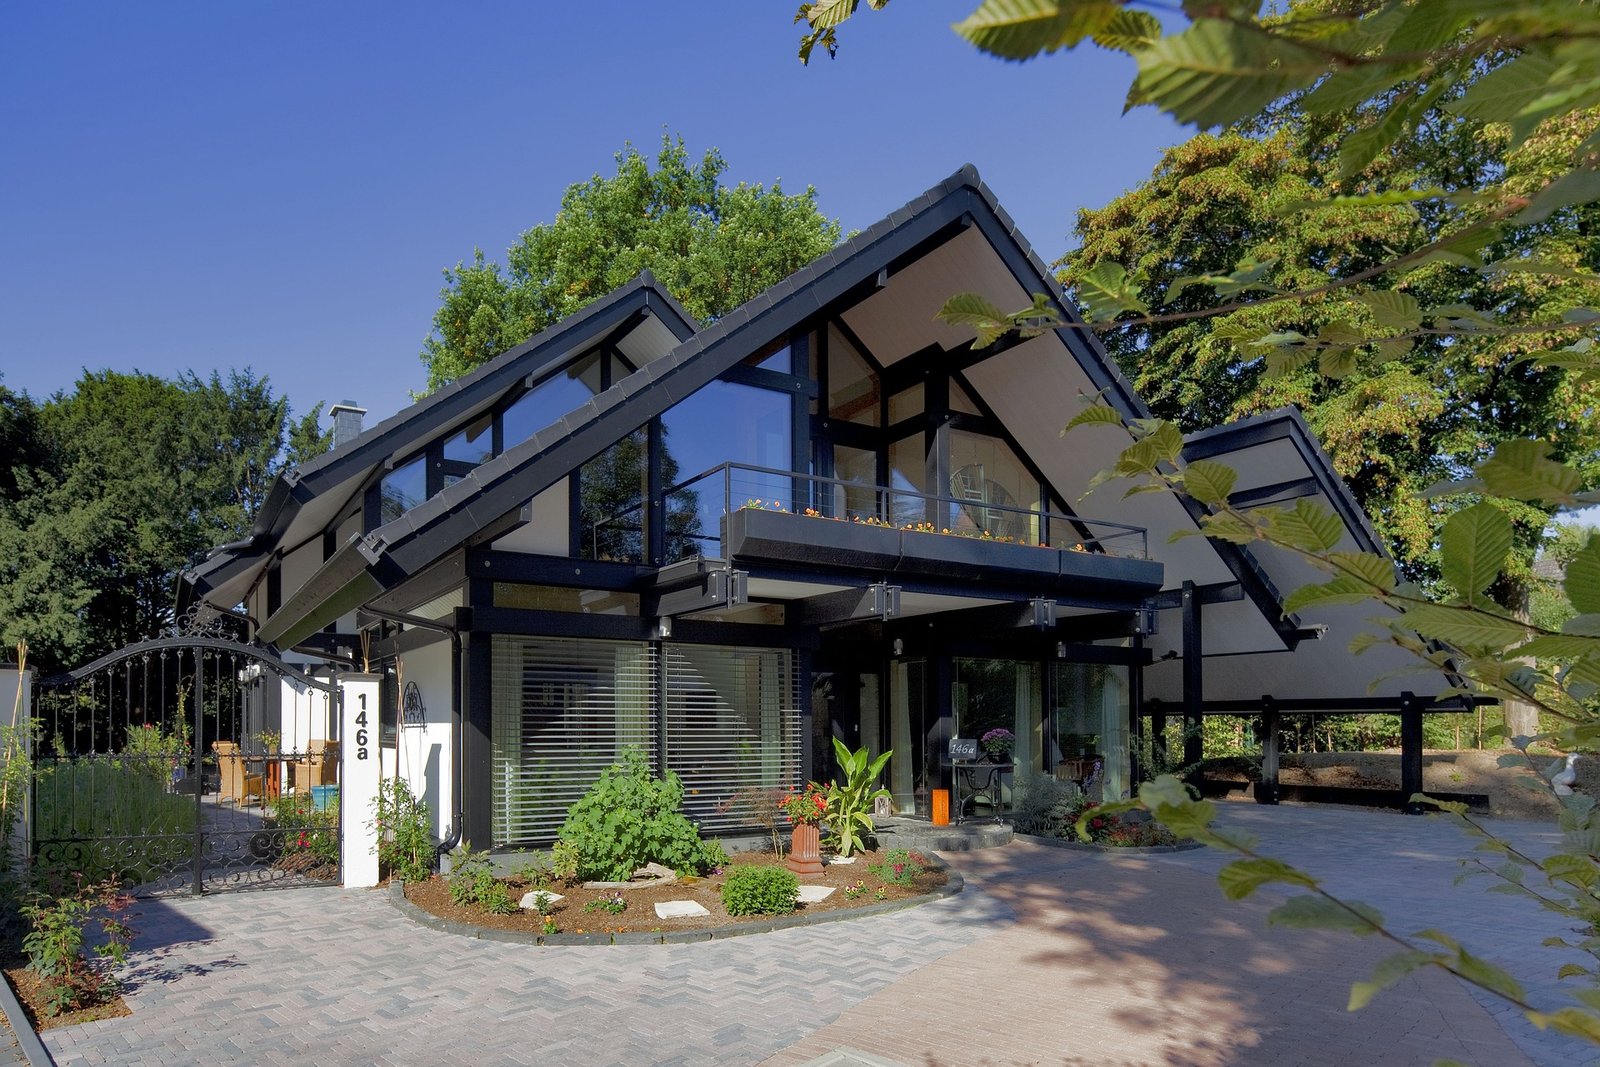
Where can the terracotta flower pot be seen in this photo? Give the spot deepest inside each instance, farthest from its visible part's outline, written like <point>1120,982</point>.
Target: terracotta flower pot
<point>805,850</point>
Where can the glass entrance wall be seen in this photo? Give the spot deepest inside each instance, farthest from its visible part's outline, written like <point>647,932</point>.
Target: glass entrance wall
<point>916,735</point>
<point>987,694</point>
<point>1089,717</point>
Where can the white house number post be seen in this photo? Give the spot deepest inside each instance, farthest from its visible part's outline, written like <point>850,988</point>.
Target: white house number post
<point>358,788</point>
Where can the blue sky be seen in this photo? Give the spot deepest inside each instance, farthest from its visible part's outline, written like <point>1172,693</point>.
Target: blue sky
<point>199,186</point>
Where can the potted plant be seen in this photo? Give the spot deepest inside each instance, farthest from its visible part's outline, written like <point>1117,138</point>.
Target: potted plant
<point>998,744</point>
<point>805,810</point>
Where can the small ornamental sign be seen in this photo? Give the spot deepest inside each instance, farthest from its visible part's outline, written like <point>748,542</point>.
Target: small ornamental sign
<point>412,712</point>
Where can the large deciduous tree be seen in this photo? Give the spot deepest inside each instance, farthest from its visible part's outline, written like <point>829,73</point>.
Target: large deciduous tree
<point>116,487</point>
<point>711,245</point>
<point>1397,415</point>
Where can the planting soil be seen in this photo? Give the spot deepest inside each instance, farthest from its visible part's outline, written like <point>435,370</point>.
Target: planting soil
<point>30,993</point>
<point>1514,792</point>
<point>433,896</point>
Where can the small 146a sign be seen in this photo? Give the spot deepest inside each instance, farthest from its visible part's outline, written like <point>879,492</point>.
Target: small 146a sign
<point>412,713</point>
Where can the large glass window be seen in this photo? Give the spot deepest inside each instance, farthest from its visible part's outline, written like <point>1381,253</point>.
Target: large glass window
<point>402,489</point>
<point>906,404</point>
<point>991,485</point>
<point>562,711</point>
<point>732,726</point>
<point>724,422</point>
<point>612,489</point>
<point>472,445</point>
<point>908,474</point>
<point>852,386</point>
<point>566,390</point>
<point>859,467</point>
<point>1000,693</point>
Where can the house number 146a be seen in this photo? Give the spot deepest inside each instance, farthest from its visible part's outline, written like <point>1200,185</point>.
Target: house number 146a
<point>361,731</point>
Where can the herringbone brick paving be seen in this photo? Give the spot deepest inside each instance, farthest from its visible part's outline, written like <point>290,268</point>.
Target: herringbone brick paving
<point>1050,956</point>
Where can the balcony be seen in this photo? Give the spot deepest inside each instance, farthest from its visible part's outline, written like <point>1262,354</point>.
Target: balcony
<point>783,518</point>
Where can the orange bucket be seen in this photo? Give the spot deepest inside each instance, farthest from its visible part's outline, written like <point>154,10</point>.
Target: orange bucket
<point>941,807</point>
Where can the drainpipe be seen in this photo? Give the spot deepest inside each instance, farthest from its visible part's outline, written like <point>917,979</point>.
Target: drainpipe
<point>456,717</point>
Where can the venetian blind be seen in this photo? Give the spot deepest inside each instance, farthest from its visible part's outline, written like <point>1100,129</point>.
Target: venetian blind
<point>563,711</point>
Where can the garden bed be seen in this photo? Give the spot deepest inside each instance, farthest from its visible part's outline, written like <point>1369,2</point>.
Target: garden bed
<point>579,925</point>
<point>30,994</point>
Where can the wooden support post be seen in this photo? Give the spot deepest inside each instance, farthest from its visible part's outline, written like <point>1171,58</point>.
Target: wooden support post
<point>1193,691</point>
<point>1411,750</point>
<point>1267,788</point>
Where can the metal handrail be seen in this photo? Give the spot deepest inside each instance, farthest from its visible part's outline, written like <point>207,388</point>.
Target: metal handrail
<point>882,495</point>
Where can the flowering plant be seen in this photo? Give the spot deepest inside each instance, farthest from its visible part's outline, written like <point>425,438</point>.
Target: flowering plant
<point>998,742</point>
<point>807,807</point>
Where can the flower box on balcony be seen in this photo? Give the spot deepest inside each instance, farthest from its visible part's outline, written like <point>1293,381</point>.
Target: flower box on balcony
<point>752,533</point>
<point>951,555</point>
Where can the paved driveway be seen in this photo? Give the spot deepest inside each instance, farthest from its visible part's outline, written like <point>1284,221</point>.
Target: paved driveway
<point>1051,956</point>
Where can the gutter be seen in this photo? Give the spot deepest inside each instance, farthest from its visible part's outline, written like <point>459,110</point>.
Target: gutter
<point>457,789</point>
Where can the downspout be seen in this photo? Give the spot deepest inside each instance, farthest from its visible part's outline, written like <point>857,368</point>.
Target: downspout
<point>457,722</point>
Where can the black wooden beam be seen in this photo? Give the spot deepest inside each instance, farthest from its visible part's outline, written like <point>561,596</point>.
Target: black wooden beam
<point>878,601</point>
<point>1411,750</point>
<point>555,570</point>
<point>1221,593</point>
<point>1193,680</point>
<point>1267,788</point>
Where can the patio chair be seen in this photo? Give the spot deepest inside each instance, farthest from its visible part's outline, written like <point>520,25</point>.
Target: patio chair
<point>238,784</point>
<point>319,767</point>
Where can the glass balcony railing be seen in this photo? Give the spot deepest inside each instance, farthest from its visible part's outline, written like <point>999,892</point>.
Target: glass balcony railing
<point>695,507</point>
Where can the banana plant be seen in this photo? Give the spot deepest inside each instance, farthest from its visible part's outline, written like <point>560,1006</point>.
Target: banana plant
<point>849,814</point>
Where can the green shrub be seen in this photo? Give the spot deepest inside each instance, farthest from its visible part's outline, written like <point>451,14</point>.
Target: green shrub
<point>900,867</point>
<point>1041,802</point>
<point>405,845</point>
<point>760,891</point>
<point>630,818</point>
<point>309,839</point>
<point>473,883</point>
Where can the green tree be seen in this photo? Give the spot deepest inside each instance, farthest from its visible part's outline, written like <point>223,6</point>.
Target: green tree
<point>120,485</point>
<point>712,246</point>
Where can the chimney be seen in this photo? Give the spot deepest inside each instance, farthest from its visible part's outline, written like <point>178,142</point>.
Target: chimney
<point>346,422</point>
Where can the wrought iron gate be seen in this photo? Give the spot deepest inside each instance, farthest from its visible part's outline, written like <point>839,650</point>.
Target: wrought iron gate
<point>186,764</point>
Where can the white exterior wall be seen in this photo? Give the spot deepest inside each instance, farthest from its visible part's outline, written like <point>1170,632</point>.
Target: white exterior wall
<point>306,715</point>
<point>424,756</point>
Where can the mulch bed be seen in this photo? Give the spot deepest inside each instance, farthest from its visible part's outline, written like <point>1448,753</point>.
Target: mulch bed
<point>31,995</point>
<point>433,896</point>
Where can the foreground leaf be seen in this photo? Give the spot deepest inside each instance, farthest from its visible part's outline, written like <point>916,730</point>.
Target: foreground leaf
<point>1216,72</point>
<point>1320,913</point>
<point>1474,546</point>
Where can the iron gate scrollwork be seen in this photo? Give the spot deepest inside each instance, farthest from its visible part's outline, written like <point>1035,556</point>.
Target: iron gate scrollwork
<point>189,763</point>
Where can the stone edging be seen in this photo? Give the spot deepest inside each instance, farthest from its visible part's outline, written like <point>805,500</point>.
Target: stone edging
<point>1122,850</point>
<point>27,1037</point>
<point>396,894</point>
